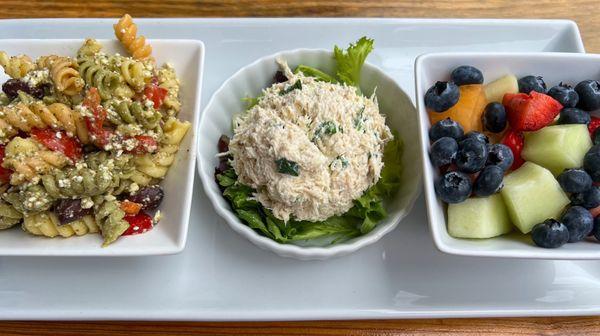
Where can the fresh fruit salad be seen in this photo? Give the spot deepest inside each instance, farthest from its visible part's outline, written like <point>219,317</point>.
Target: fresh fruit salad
<point>513,154</point>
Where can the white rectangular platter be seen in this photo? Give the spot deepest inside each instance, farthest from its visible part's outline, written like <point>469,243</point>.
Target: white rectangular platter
<point>221,276</point>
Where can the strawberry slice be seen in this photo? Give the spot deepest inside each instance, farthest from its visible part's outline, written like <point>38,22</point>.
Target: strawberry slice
<point>530,112</point>
<point>58,141</point>
<point>4,173</point>
<point>515,141</point>
<point>140,223</point>
<point>155,93</point>
<point>594,125</point>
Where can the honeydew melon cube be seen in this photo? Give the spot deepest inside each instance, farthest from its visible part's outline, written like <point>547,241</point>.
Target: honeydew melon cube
<point>479,217</point>
<point>531,195</point>
<point>557,147</point>
<point>496,90</point>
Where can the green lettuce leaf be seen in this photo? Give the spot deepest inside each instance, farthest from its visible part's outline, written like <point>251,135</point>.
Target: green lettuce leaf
<point>316,73</point>
<point>351,60</point>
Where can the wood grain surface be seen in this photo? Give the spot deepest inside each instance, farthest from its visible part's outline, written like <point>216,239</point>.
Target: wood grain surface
<point>581,11</point>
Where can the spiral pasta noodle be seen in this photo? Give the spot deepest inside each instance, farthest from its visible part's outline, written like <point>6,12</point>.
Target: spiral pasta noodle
<point>99,175</point>
<point>126,32</point>
<point>97,76</point>
<point>9,216</point>
<point>151,167</point>
<point>133,112</point>
<point>29,160</point>
<point>47,224</point>
<point>167,79</point>
<point>89,48</point>
<point>109,217</point>
<point>134,73</point>
<point>16,66</point>
<point>63,71</point>
<point>21,117</point>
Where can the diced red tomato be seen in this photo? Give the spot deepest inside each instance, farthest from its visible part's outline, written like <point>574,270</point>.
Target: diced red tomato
<point>4,173</point>
<point>155,93</point>
<point>594,125</point>
<point>145,144</point>
<point>138,224</point>
<point>515,141</point>
<point>58,141</point>
<point>530,112</point>
<point>95,123</point>
<point>130,208</point>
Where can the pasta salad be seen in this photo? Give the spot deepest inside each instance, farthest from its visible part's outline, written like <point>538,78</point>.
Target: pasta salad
<point>86,139</point>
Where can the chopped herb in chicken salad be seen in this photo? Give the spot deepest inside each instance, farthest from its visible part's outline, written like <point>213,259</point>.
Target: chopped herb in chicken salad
<point>312,156</point>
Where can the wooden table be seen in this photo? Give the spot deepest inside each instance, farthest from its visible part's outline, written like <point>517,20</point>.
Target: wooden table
<point>582,11</point>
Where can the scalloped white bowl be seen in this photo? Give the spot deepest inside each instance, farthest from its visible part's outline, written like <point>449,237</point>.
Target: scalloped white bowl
<point>249,82</point>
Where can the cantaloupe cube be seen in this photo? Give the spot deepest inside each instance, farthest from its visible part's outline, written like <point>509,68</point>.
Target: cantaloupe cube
<point>467,112</point>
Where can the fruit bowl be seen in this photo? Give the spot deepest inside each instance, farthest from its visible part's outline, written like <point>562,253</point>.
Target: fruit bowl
<point>555,68</point>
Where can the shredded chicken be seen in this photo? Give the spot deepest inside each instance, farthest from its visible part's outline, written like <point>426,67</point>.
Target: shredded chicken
<point>328,135</point>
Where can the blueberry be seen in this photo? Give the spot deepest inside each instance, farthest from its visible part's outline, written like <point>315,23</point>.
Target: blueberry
<point>550,234</point>
<point>564,94</point>
<point>596,137</point>
<point>466,74</point>
<point>442,96</point>
<point>443,151</point>
<point>445,128</point>
<point>489,181</point>
<point>472,155</point>
<point>494,117</point>
<point>589,95</point>
<point>588,199</point>
<point>475,135</point>
<point>596,229</point>
<point>532,83</point>
<point>574,180</point>
<point>453,187</point>
<point>500,155</point>
<point>579,222</point>
<point>591,163</point>
<point>573,115</point>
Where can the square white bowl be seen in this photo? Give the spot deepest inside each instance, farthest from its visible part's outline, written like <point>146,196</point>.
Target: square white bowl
<point>554,67</point>
<point>169,236</point>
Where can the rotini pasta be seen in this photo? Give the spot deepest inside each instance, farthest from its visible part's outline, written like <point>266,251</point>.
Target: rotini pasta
<point>134,73</point>
<point>16,66</point>
<point>167,79</point>
<point>152,167</point>
<point>99,174</point>
<point>9,216</point>
<point>89,48</point>
<point>63,71</point>
<point>126,32</point>
<point>29,160</point>
<point>20,117</point>
<point>80,130</point>
<point>133,112</point>
<point>47,224</point>
<point>109,217</point>
<point>95,75</point>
